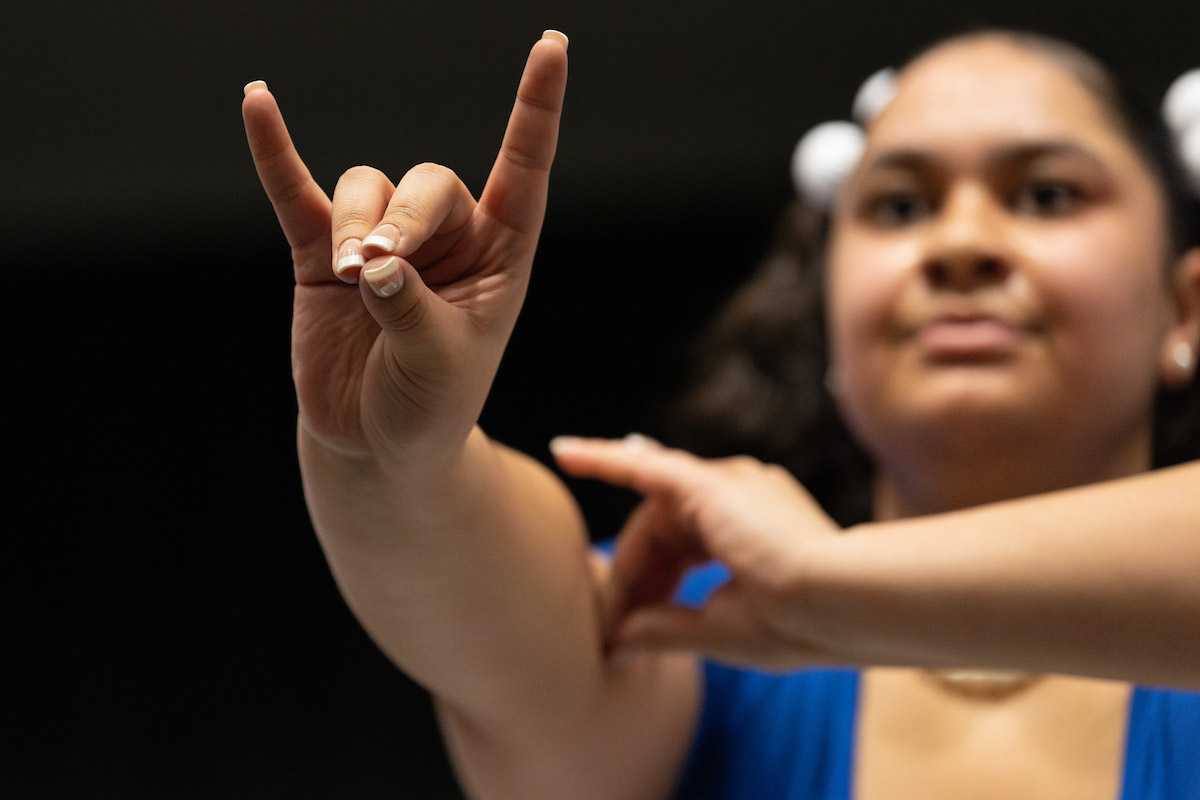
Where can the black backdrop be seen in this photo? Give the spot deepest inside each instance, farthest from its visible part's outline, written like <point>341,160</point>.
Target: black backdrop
<point>173,629</point>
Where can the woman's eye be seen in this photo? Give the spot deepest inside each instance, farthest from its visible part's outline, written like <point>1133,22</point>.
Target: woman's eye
<point>896,209</point>
<point>1047,198</point>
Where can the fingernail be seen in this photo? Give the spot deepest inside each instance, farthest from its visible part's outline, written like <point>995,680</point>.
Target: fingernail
<point>383,238</point>
<point>636,442</point>
<point>561,443</point>
<point>349,256</point>
<point>386,279</point>
<point>253,86</point>
<point>557,36</point>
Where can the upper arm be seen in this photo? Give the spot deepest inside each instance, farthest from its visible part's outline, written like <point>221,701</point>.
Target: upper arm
<point>628,743</point>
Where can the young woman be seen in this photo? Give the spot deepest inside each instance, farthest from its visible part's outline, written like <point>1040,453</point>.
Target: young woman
<point>1007,294</point>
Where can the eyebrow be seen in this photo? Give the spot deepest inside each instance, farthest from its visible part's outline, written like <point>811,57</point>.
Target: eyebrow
<point>913,158</point>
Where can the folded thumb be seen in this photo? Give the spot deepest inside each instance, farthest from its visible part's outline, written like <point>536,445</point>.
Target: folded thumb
<point>395,295</point>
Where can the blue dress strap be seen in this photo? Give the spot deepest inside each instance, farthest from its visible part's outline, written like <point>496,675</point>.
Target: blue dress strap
<point>1162,752</point>
<point>768,735</point>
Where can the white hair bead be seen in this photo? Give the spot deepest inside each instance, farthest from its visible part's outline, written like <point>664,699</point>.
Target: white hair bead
<point>874,95</point>
<point>1189,155</point>
<point>823,159</point>
<point>1181,104</point>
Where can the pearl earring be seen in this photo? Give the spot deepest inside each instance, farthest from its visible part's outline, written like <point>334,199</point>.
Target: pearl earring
<point>1182,354</point>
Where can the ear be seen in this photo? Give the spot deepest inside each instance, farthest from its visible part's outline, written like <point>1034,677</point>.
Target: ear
<point>1181,345</point>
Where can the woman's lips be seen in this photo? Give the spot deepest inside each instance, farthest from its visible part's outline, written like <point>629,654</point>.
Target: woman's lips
<point>967,339</point>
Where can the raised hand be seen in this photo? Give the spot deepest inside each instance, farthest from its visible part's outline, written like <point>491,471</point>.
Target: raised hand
<point>752,517</point>
<point>399,365</point>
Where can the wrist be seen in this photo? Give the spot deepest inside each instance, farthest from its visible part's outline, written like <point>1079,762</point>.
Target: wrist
<point>425,460</point>
<point>352,495</point>
<point>849,586</point>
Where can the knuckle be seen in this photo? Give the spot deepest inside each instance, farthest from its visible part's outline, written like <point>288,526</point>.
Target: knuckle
<point>742,465</point>
<point>352,222</point>
<point>524,158</point>
<point>536,102</point>
<point>361,174</point>
<point>777,472</point>
<point>407,213</point>
<point>432,171</point>
<point>287,193</point>
<point>410,316</point>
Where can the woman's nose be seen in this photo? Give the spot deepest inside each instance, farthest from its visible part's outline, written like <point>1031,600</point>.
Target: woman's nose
<point>966,248</point>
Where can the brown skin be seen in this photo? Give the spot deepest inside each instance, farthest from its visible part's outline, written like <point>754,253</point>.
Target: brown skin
<point>1030,209</point>
<point>1031,212</point>
<point>468,562</point>
<point>465,561</point>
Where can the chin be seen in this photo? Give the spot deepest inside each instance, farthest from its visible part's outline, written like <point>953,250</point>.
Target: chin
<point>967,423</point>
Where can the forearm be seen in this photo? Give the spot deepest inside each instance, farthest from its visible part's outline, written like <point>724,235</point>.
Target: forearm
<point>471,575</point>
<point>1100,581</point>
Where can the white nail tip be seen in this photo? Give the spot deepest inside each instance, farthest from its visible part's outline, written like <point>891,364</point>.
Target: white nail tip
<point>557,36</point>
<point>386,279</point>
<point>382,242</point>
<point>253,86</point>
<point>349,262</point>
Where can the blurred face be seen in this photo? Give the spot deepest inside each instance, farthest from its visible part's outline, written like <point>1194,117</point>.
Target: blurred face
<point>996,268</point>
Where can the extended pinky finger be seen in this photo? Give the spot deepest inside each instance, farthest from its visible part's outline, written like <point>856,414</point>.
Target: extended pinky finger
<point>302,207</point>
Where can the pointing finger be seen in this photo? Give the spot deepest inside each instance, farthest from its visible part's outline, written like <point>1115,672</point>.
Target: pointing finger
<point>634,462</point>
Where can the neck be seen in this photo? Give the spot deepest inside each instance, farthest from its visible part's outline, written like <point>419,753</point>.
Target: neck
<point>941,483</point>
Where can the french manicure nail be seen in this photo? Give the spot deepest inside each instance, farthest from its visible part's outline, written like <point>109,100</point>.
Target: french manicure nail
<point>383,238</point>
<point>349,256</point>
<point>253,86</point>
<point>557,36</point>
<point>385,279</point>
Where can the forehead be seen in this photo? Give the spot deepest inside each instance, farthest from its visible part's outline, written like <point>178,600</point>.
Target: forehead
<point>986,90</point>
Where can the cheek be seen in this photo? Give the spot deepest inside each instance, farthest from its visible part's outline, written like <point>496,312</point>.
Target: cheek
<point>1105,299</point>
<point>865,281</point>
<point>1105,281</point>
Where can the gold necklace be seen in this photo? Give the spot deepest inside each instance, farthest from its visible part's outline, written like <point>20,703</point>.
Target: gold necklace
<point>983,684</point>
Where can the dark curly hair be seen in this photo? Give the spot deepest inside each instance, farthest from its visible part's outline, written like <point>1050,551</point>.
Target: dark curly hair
<point>760,388</point>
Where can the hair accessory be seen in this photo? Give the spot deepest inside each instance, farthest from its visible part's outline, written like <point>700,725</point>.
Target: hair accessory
<point>1181,104</point>
<point>826,155</point>
<point>823,159</point>
<point>1181,110</point>
<point>874,95</point>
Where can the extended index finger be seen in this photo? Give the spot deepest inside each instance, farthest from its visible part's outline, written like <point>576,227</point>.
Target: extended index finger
<point>634,462</point>
<point>516,190</point>
<point>302,207</point>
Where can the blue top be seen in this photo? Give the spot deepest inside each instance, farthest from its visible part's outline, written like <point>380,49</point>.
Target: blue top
<point>791,736</point>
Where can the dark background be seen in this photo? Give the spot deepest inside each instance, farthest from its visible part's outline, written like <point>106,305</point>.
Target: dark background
<point>173,629</point>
